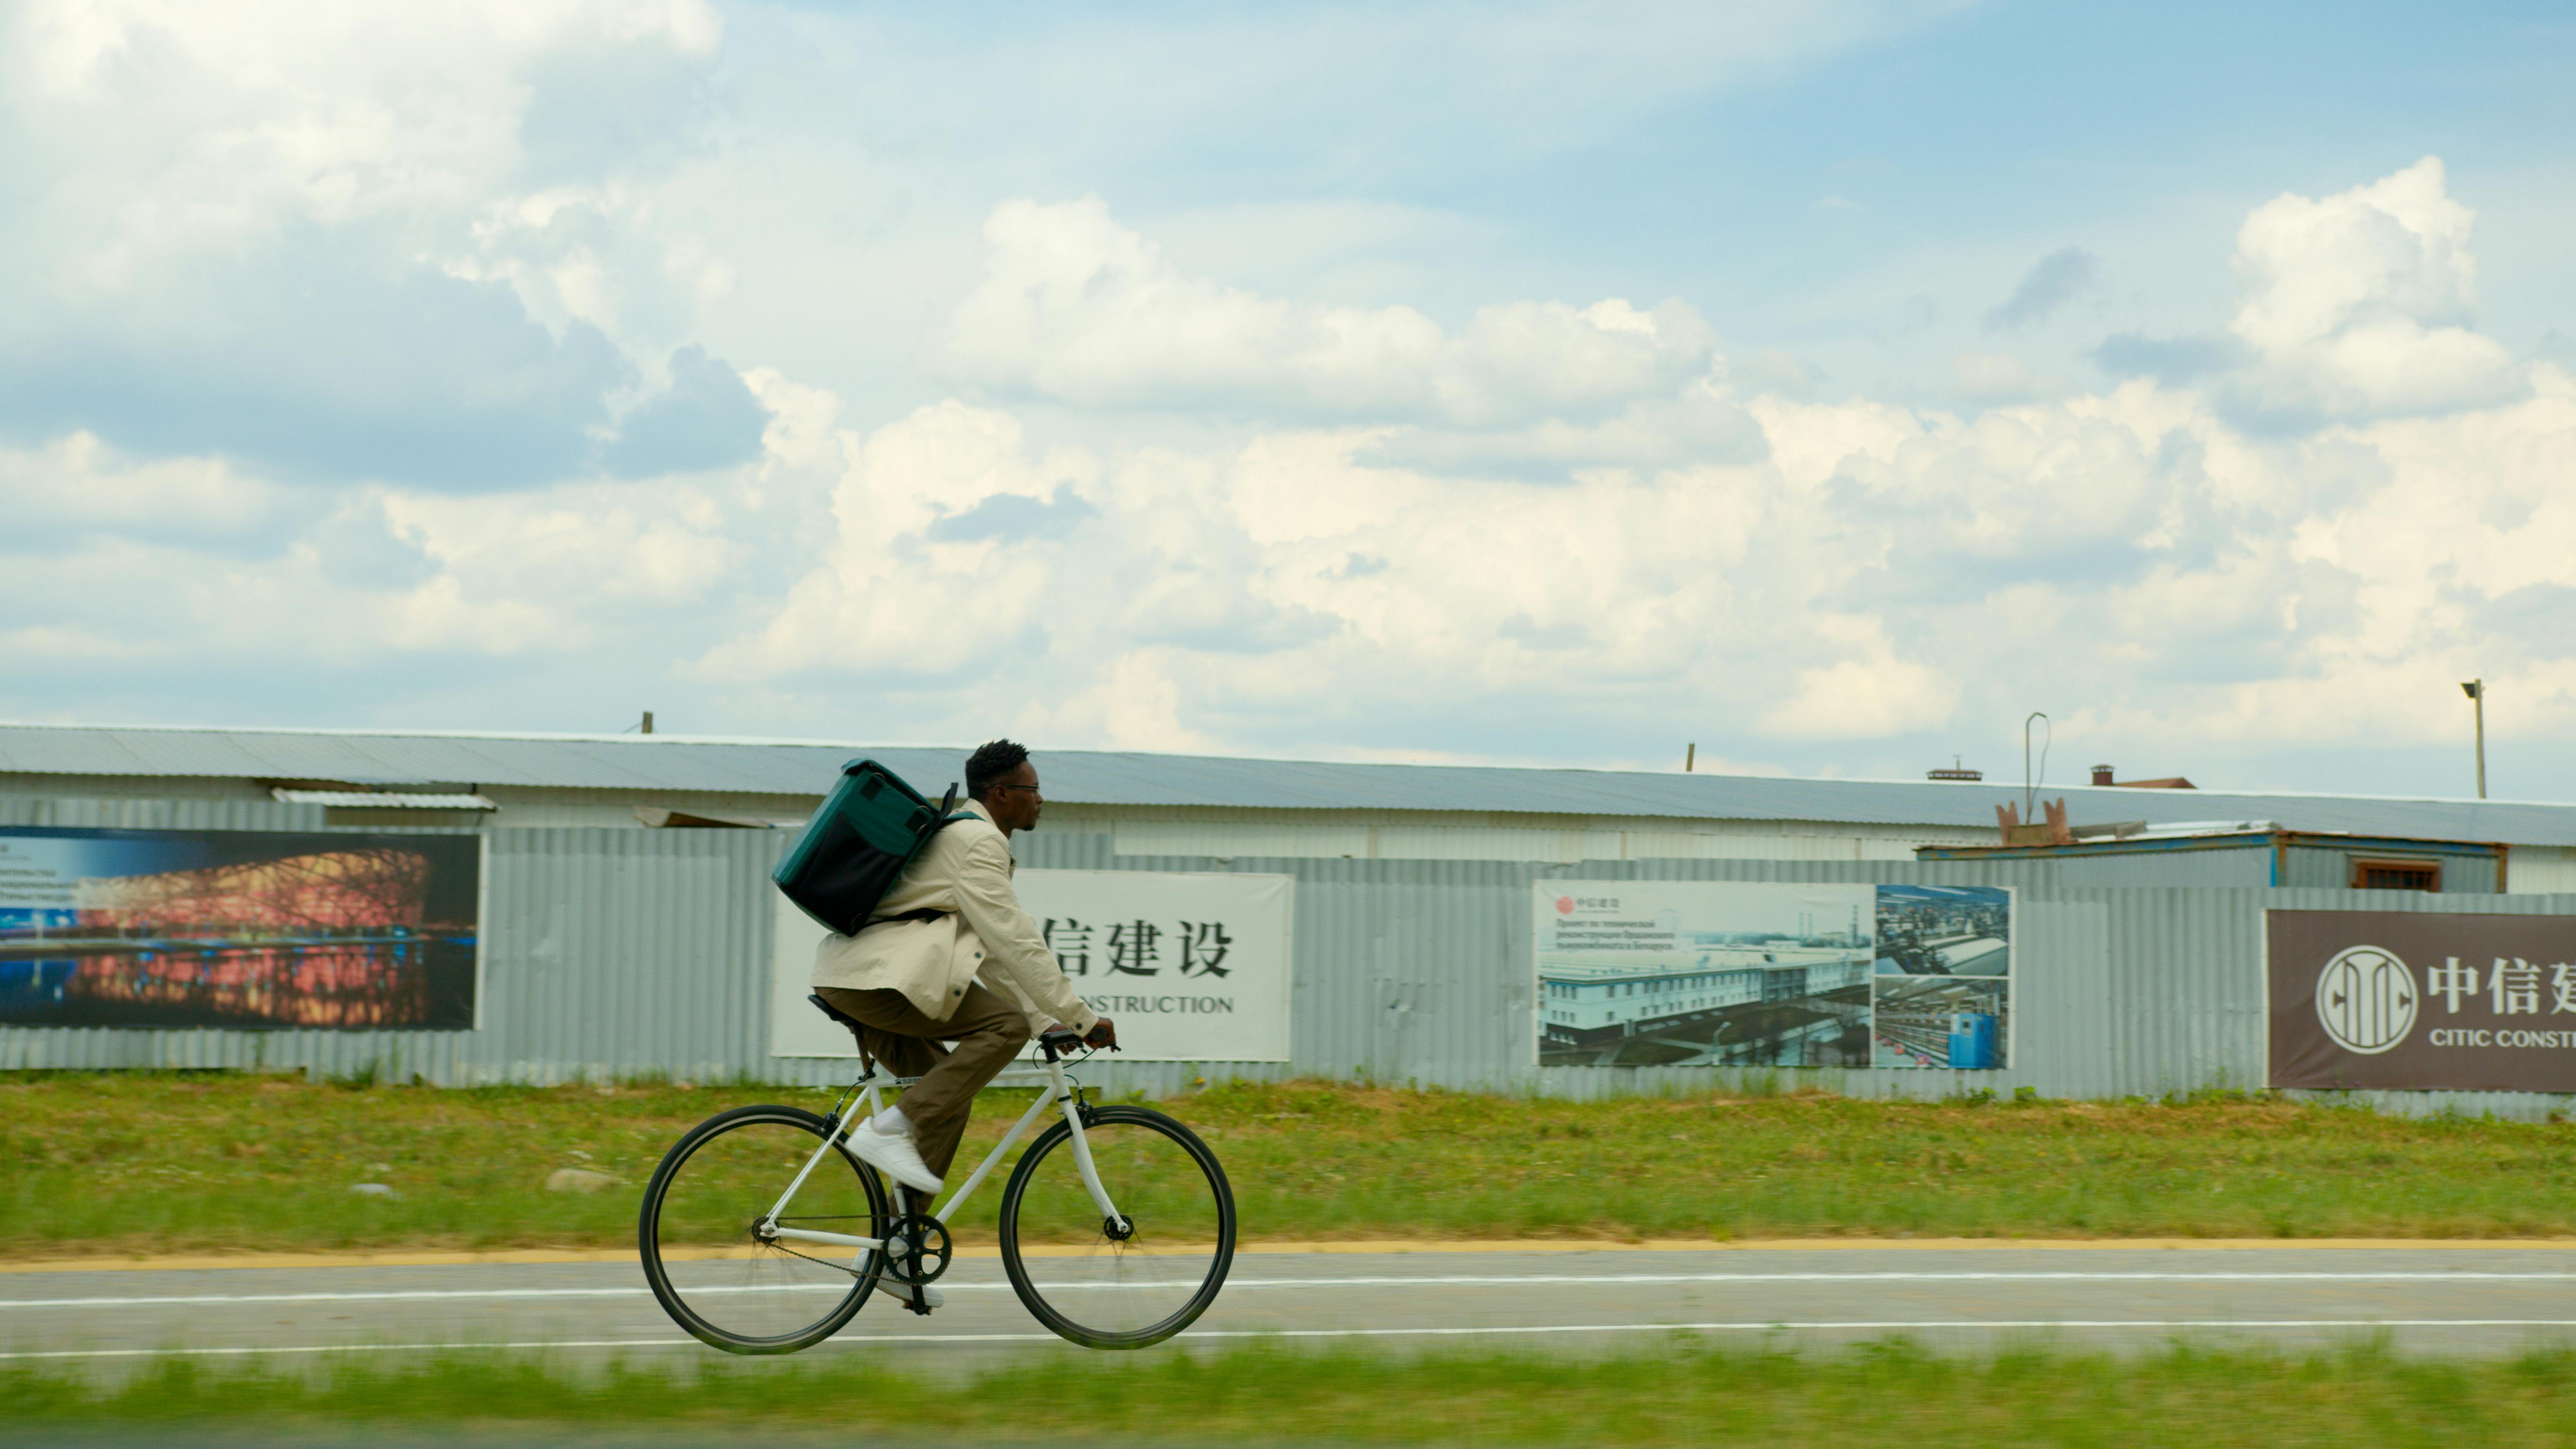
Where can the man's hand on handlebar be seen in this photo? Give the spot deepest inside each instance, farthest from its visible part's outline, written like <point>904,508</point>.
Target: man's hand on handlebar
<point>1064,1038</point>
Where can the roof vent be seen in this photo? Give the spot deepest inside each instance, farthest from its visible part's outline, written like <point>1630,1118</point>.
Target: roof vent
<point>2102,776</point>
<point>1956,771</point>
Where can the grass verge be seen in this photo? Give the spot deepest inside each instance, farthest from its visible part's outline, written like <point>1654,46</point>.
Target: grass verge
<point>1683,1393</point>
<point>174,1162</point>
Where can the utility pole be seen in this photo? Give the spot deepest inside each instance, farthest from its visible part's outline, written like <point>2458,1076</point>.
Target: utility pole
<point>1690,756</point>
<point>2476,690</point>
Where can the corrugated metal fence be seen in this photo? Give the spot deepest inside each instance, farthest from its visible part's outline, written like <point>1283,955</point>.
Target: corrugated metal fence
<point>612,952</point>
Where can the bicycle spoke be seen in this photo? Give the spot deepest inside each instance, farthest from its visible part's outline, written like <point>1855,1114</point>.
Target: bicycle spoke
<point>1129,1282</point>
<point>706,1258</point>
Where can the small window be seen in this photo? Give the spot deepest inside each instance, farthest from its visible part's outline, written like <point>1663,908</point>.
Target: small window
<point>2396,875</point>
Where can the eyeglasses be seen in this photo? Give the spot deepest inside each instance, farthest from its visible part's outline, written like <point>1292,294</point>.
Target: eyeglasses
<point>1032,789</point>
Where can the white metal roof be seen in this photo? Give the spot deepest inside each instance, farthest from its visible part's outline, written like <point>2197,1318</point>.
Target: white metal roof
<point>632,764</point>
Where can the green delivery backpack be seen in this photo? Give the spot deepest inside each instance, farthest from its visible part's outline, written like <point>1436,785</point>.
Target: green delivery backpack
<point>868,830</point>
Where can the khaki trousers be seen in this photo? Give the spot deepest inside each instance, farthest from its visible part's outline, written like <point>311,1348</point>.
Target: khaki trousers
<point>989,1032</point>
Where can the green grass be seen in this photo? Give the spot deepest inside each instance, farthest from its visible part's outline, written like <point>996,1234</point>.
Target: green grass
<point>127,1162</point>
<point>1678,1393</point>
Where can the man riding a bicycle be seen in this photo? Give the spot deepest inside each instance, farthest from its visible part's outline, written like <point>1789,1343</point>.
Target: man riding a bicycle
<point>950,955</point>
<point>767,1227</point>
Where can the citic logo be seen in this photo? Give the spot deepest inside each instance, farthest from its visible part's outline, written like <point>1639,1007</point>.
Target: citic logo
<point>1565,905</point>
<point>2366,999</point>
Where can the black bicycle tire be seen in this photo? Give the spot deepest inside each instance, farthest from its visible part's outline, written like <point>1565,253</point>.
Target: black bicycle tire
<point>1036,1303</point>
<point>648,1242</point>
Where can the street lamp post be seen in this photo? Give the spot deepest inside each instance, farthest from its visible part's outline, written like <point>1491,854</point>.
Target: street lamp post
<point>2476,690</point>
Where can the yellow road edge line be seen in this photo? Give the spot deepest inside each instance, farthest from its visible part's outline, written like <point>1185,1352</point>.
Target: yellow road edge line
<point>177,1263</point>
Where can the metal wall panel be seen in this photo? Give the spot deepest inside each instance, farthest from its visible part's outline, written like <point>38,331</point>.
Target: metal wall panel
<point>2329,867</point>
<point>2236,863</point>
<point>2310,867</point>
<point>2061,999</point>
<point>2240,863</point>
<point>2249,864</point>
<point>2186,989</point>
<point>605,952</point>
<point>2189,994</point>
<point>628,952</point>
<point>2540,870</point>
<point>115,814</point>
<point>1212,837</point>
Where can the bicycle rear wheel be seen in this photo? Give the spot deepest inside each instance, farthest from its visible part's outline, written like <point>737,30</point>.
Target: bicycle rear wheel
<point>1130,1281</point>
<point>713,1272</point>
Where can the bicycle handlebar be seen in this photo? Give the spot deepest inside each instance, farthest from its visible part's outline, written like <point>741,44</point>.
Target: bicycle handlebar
<point>1062,1041</point>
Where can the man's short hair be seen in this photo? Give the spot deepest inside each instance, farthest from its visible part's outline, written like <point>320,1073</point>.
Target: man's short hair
<point>990,762</point>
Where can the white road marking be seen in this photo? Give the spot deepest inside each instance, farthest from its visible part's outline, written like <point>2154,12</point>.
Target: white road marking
<point>418,1295</point>
<point>1870,1325</point>
<point>1897,1323</point>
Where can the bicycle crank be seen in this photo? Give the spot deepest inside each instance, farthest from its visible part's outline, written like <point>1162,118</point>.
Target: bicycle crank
<point>917,1249</point>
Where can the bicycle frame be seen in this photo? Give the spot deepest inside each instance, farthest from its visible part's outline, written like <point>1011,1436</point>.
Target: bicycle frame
<point>1060,1093</point>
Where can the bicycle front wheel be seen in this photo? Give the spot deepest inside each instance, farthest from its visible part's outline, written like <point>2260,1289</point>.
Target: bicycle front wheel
<point>718,1273</point>
<point>1136,1278</point>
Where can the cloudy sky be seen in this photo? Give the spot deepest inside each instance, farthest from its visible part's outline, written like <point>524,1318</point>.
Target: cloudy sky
<point>1828,383</point>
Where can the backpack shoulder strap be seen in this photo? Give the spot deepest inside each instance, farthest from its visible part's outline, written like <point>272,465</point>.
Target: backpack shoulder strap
<point>949,814</point>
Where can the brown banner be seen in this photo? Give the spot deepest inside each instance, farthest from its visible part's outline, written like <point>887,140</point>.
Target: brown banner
<point>2414,1000</point>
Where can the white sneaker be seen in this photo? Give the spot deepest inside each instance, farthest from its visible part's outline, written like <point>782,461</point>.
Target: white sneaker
<point>930,1297</point>
<point>895,1156</point>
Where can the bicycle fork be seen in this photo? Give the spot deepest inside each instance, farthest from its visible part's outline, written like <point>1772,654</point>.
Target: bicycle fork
<point>1112,1222</point>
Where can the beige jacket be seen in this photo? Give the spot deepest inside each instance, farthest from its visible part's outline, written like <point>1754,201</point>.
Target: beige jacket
<point>983,934</point>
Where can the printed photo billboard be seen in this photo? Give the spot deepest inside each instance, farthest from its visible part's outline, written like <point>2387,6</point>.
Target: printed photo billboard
<point>1963,1023</point>
<point>239,928</point>
<point>1192,967</point>
<point>1944,930</point>
<point>1942,996</point>
<point>2421,1001</point>
<point>1728,973</point>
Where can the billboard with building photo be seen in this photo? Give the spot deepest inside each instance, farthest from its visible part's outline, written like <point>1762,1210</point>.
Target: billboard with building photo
<point>238,928</point>
<point>1773,974</point>
<point>1703,973</point>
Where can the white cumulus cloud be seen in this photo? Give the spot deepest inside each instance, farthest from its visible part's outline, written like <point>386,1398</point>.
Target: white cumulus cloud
<point>1545,530</point>
<point>1077,308</point>
<point>2361,303</point>
<point>1861,571</point>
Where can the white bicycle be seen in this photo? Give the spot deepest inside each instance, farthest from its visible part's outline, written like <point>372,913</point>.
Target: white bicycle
<point>762,1233</point>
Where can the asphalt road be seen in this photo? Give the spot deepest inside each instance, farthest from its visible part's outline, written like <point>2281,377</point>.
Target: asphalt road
<point>2434,1300</point>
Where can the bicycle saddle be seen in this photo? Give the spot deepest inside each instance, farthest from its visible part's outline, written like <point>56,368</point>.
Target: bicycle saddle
<point>843,1017</point>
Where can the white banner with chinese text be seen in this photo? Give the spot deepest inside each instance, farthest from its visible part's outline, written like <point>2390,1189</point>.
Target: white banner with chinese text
<point>1191,967</point>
